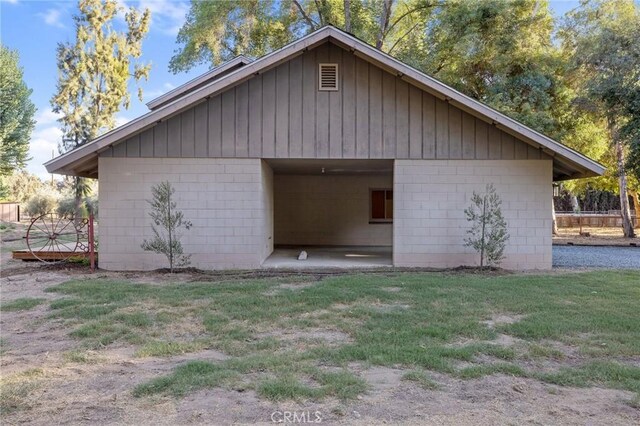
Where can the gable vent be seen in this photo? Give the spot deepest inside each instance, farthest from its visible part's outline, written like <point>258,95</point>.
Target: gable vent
<point>328,77</point>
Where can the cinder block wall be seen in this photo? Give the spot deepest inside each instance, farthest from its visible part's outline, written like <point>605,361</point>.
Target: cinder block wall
<point>328,210</point>
<point>223,198</point>
<point>267,208</point>
<point>430,198</point>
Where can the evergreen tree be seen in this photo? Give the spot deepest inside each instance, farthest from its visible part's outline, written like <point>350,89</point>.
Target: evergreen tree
<point>94,73</point>
<point>488,234</point>
<point>167,221</point>
<point>16,114</point>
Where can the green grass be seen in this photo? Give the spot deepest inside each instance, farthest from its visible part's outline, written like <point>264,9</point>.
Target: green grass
<point>418,328</point>
<point>421,378</point>
<point>186,378</point>
<point>168,348</point>
<point>22,304</point>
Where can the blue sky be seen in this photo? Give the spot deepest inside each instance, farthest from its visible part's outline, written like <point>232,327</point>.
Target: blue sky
<point>35,27</point>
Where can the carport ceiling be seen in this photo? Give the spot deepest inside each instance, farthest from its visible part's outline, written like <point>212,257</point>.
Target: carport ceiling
<point>331,167</point>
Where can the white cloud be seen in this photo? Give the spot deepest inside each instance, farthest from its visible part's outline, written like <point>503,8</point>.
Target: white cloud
<point>152,94</point>
<point>45,139</point>
<point>52,17</point>
<point>9,1</point>
<point>122,120</point>
<point>43,144</point>
<point>46,116</point>
<point>166,16</point>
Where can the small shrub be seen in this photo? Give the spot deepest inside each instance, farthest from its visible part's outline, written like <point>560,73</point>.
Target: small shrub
<point>42,203</point>
<point>167,221</point>
<point>488,234</point>
<point>67,208</point>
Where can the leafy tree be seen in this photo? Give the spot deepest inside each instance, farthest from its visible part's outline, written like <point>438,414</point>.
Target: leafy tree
<point>216,31</point>
<point>94,73</point>
<point>20,186</point>
<point>603,39</point>
<point>166,217</point>
<point>16,113</point>
<point>488,234</point>
<point>43,202</point>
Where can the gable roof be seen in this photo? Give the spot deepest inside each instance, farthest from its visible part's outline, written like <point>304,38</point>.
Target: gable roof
<point>202,80</point>
<point>82,161</point>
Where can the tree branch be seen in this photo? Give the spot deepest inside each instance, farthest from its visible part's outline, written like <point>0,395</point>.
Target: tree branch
<point>319,8</point>
<point>403,36</point>
<point>409,12</point>
<point>306,17</point>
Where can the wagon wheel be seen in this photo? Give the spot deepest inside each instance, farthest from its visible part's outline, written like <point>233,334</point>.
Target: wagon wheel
<point>52,238</point>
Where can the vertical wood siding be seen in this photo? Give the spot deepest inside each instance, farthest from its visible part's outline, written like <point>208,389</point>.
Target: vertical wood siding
<point>281,114</point>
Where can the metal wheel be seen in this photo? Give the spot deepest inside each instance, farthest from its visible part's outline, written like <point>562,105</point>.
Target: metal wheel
<point>51,238</point>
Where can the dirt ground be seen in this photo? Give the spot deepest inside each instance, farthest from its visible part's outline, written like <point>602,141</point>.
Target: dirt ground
<point>59,391</point>
<point>598,237</point>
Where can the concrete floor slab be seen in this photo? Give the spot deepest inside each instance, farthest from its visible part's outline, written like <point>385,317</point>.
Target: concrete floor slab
<point>330,257</point>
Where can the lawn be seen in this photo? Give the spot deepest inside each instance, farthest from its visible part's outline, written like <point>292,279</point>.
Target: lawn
<point>298,338</point>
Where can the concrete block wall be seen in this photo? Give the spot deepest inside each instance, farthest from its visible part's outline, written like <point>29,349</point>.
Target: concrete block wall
<point>430,198</point>
<point>267,208</point>
<point>328,210</point>
<point>223,198</point>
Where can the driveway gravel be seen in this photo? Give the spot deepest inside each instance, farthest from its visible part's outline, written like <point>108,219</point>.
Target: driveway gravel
<point>596,257</point>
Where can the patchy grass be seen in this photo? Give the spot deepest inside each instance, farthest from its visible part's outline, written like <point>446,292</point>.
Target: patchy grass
<point>22,304</point>
<point>16,389</point>
<point>355,318</point>
<point>168,348</point>
<point>82,357</point>
<point>421,378</point>
<point>606,373</point>
<point>186,378</point>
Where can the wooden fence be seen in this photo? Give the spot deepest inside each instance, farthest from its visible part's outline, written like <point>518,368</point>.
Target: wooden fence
<point>9,212</point>
<point>578,220</point>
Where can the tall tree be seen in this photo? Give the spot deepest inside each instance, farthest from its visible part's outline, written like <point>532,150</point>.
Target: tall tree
<point>602,37</point>
<point>16,113</point>
<point>217,31</point>
<point>94,74</point>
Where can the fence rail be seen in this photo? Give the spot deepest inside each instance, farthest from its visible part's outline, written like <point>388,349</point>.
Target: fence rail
<point>593,219</point>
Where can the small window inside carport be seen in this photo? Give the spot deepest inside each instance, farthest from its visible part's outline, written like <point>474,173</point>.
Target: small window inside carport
<point>381,205</point>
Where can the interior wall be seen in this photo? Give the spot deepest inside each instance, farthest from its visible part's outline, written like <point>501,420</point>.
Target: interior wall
<point>328,210</point>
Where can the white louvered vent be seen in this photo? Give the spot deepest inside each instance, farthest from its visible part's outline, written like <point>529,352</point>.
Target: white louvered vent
<point>328,77</point>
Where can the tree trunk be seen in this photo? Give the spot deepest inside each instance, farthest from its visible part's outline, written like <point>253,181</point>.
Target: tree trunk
<point>627,225</point>
<point>347,15</point>
<point>554,222</point>
<point>384,23</point>
<point>77,195</point>
<point>625,211</point>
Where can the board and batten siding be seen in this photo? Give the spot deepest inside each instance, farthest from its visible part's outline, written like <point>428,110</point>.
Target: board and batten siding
<point>281,114</point>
